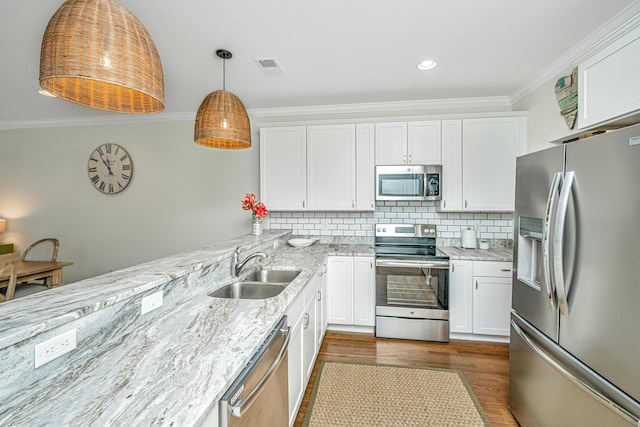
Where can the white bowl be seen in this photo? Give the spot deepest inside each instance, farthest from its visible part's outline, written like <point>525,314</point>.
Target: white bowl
<point>301,243</point>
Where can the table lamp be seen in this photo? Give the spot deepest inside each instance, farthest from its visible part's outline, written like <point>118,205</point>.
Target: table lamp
<point>3,225</point>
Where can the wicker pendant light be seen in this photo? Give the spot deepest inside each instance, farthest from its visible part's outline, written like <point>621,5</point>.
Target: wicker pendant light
<point>96,53</point>
<point>222,121</point>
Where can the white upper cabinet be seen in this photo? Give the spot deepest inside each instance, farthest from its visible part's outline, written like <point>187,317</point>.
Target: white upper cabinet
<point>479,163</point>
<point>417,143</point>
<point>365,167</point>
<point>451,165</point>
<point>391,143</point>
<point>321,168</point>
<point>423,142</point>
<point>489,150</point>
<point>283,168</point>
<point>608,82</point>
<point>331,167</point>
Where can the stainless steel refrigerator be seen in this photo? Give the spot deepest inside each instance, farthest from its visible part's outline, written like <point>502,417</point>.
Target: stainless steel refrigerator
<point>575,319</point>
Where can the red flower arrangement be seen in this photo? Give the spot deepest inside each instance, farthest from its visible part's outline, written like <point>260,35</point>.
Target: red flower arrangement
<point>249,204</point>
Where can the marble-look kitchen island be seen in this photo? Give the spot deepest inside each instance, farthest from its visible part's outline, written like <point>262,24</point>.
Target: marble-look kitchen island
<point>167,367</point>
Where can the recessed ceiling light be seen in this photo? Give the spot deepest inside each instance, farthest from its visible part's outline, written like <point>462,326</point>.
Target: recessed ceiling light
<point>45,93</point>
<point>427,64</point>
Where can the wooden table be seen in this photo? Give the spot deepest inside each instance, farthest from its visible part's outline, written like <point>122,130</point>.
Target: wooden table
<point>51,272</point>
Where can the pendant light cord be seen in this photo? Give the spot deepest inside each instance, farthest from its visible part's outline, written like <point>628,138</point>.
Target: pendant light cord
<point>224,74</point>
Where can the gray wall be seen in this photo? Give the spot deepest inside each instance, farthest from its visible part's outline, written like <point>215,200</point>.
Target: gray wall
<point>182,196</point>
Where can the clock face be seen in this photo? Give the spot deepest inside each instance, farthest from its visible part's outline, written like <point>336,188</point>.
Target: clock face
<point>110,168</point>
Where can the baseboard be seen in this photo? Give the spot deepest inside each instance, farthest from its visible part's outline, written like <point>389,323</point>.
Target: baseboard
<point>475,337</point>
<point>351,328</point>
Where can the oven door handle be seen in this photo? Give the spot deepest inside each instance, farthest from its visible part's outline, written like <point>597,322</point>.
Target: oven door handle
<point>443,265</point>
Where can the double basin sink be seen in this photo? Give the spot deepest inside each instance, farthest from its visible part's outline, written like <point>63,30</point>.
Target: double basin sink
<point>265,283</point>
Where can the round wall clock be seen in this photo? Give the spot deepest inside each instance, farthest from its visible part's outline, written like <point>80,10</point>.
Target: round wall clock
<point>110,168</point>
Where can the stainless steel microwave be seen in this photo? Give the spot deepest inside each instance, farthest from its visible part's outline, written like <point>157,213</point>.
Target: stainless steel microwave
<point>404,182</point>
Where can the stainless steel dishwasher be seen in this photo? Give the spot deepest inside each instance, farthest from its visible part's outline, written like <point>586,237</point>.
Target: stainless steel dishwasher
<point>259,396</point>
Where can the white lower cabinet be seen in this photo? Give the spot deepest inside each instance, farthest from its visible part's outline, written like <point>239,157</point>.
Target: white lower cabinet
<point>491,298</point>
<point>351,290</point>
<point>305,318</point>
<point>460,296</point>
<point>479,299</point>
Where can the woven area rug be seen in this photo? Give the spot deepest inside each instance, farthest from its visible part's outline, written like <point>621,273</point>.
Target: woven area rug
<point>360,394</point>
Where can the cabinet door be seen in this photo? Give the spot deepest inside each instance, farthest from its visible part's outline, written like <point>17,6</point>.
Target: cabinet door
<point>461,296</point>
<point>309,338</point>
<point>340,290</point>
<point>489,150</point>
<point>491,305</point>
<point>391,143</point>
<point>283,168</point>
<point>424,143</point>
<point>451,165</point>
<point>296,373</point>
<point>365,167</point>
<point>605,81</point>
<point>364,291</point>
<point>331,174</point>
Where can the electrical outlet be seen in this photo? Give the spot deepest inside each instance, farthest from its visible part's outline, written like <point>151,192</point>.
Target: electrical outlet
<point>54,347</point>
<point>151,302</point>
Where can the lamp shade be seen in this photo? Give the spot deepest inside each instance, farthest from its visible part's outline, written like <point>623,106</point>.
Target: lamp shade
<point>222,122</point>
<point>96,53</point>
<point>3,225</point>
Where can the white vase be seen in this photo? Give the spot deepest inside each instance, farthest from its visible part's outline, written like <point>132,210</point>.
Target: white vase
<point>256,228</point>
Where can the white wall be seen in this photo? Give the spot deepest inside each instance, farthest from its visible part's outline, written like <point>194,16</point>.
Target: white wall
<point>182,196</point>
<point>544,122</point>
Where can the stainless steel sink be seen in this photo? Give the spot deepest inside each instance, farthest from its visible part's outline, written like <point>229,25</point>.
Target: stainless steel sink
<point>249,290</point>
<point>273,276</point>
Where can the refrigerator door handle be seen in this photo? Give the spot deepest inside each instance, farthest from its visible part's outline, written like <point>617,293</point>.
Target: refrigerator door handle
<point>558,242</point>
<point>546,265</point>
<point>574,379</point>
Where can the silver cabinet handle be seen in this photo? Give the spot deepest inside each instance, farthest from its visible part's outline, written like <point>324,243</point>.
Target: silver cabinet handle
<point>546,265</point>
<point>303,204</point>
<point>404,158</point>
<point>236,410</point>
<point>453,268</point>
<point>505,269</point>
<point>476,284</point>
<point>444,203</point>
<point>306,320</point>
<point>558,243</point>
<point>410,159</point>
<point>465,204</point>
<point>319,298</point>
<point>353,204</point>
<point>372,205</point>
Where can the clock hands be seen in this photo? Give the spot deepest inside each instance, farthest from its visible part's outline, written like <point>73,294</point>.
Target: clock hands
<point>106,164</point>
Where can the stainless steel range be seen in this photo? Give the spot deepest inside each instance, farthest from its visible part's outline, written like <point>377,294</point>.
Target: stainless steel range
<point>412,283</point>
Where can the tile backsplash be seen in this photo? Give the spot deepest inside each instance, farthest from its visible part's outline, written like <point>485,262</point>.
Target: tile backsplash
<point>491,226</point>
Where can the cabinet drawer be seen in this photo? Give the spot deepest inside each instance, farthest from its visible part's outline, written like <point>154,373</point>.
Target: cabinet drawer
<point>492,268</point>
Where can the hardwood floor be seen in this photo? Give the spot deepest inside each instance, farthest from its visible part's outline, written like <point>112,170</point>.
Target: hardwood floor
<point>485,365</point>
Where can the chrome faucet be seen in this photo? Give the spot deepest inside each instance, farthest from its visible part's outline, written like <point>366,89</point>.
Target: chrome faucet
<point>237,266</point>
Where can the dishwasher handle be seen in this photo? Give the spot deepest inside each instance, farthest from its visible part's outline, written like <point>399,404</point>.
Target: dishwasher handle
<point>243,404</point>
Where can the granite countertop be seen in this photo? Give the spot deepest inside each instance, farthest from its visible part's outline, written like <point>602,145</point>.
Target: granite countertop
<point>492,254</point>
<point>172,368</point>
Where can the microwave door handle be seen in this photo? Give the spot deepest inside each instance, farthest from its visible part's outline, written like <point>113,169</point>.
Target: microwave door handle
<point>546,264</point>
<point>558,242</point>
<point>424,185</point>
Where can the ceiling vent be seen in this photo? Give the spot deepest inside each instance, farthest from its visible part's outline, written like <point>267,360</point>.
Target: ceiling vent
<point>270,66</point>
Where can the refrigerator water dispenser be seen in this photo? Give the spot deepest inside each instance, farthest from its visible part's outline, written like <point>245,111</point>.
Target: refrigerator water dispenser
<point>530,251</point>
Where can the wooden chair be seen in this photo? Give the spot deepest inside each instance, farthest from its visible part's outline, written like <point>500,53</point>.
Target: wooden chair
<point>42,250</point>
<point>9,263</point>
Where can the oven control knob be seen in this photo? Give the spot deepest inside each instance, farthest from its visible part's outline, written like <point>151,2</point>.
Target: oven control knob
<point>384,230</point>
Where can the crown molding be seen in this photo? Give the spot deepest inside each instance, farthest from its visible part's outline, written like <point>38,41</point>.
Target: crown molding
<point>381,107</point>
<point>96,120</point>
<point>616,27</point>
<point>377,107</point>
